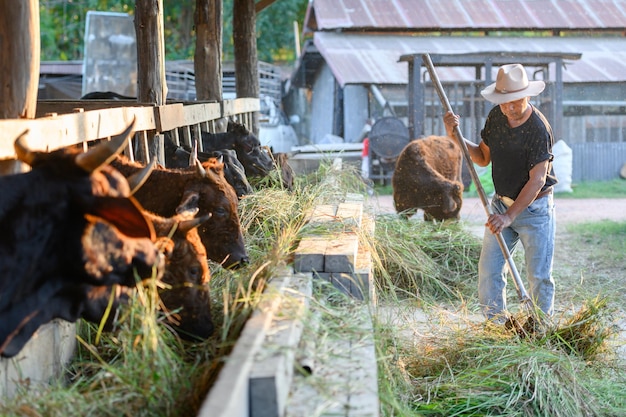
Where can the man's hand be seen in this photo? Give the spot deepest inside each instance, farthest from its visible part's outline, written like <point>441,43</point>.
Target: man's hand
<point>451,121</point>
<point>497,222</point>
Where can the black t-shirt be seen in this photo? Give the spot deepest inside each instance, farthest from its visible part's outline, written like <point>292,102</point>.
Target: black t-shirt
<point>515,151</point>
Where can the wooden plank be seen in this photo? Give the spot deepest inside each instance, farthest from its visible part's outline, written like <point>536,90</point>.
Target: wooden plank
<point>229,396</point>
<point>345,380</point>
<point>363,386</point>
<point>350,213</point>
<point>200,113</point>
<point>50,133</point>
<point>322,213</point>
<point>309,256</point>
<point>169,116</point>
<point>341,253</point>
<point>272,371</point>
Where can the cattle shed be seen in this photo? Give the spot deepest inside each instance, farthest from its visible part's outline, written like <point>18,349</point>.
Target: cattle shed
<point>483,66</point>
<point>351,73</point>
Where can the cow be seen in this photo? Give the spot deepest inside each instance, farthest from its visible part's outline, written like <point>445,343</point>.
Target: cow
<point>185,294</point>
<point>167,189</point>
<point>186,274</point>
<point>256,159</point>
<point>180,156</point>
<point>281,161</point>
<point>426,177</point>
<point>69,228</point>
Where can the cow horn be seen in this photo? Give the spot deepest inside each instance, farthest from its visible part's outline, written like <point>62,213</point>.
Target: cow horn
<point>23,153</point>
<point>104,152</point>
<point>189,224</point>
<point>200,171</point>
<point>194,153</point>
<point>138,179</point>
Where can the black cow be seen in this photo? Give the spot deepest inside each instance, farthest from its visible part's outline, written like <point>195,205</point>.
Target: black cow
<point>69,229</point>
<point>180,157</point>
<point>256,159</point>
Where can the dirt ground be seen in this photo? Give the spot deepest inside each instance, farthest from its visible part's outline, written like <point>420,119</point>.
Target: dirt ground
<point>567,210</point>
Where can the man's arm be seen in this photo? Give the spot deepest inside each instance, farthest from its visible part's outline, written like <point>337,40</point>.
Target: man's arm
<point>479,153</point>
<point>497,222</point>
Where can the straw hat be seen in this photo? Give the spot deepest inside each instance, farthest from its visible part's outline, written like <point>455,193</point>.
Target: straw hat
<point>512,84</point>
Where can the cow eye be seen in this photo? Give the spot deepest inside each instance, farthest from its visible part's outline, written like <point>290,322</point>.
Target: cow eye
<point>220,211</point>
<point>194,272</point>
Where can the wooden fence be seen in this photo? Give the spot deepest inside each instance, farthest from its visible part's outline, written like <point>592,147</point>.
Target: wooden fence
<point>70,122</point>
<point>67,123</point>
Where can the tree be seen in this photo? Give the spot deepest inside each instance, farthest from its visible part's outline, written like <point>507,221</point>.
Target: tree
<point>63,27</point>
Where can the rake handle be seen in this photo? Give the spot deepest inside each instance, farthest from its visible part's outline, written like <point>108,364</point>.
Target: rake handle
<point>519,285</point>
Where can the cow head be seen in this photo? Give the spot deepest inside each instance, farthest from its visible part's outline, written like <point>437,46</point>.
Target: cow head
<point>234,171</point>
<point>446,204</point>
<point>221,234</point>
<point>186,292</point>
<point>68,225</point>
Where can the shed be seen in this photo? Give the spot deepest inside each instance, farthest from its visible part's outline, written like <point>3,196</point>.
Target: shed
<point>351,70</point>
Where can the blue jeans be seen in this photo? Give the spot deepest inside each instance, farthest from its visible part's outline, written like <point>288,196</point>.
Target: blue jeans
<point>535,229</point>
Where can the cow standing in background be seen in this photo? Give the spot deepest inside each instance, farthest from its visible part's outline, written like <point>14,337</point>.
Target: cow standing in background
<point>166,189</point>
<point>69,229</point>
<point>427,176</point>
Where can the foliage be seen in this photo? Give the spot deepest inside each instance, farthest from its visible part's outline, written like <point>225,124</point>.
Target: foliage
<point>63,26</point>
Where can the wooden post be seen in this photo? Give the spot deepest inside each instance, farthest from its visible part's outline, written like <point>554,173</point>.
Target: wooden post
<point>19,58</point>
<point>246,61</point>
<point>151,85</point>
<point>19,64</point>
<point>208,55</point>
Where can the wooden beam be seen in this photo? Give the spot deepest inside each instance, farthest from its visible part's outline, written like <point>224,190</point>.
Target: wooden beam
<point>262,4</point>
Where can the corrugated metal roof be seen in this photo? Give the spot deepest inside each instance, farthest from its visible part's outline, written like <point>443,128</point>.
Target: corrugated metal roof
<point>466,15</point>
<point>374,58</point>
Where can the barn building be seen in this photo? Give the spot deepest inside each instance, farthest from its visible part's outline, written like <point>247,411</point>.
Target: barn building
<point>354,68</point>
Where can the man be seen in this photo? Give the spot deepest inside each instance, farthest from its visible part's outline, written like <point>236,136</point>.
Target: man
<point>517,140</point>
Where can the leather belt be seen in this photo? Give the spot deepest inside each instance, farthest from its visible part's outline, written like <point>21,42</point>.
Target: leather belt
<point>544,193</point>
<point>508,201</point>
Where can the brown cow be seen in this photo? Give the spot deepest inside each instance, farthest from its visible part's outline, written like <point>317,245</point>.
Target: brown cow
<point>281,160</point>
<point>426,177</point>
<point>205,187</point>
<point>185,295</point>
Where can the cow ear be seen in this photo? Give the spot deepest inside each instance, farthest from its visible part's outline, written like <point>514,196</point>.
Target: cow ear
<point>125,214</point>
<point>189,205</point>
<point>166,246</point>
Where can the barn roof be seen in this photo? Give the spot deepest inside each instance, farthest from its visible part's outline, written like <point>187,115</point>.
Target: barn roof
<point>374,58</point>
<point>491,15</point>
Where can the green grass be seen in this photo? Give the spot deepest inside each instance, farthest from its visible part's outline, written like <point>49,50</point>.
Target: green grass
<point>615,188</point>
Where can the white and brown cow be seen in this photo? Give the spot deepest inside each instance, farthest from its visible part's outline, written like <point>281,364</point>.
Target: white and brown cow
<point>427,177</point>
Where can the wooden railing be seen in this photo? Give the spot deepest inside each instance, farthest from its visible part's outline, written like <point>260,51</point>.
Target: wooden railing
<point>65,123</point>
